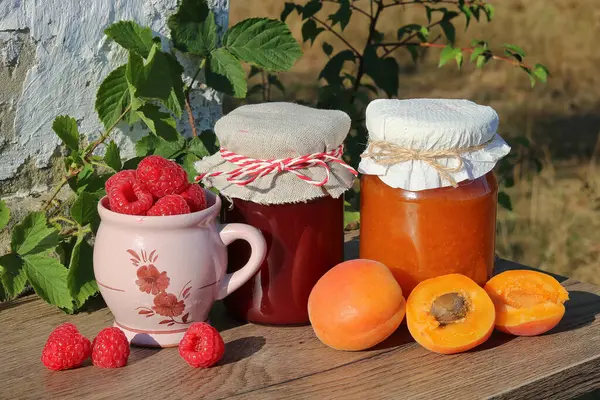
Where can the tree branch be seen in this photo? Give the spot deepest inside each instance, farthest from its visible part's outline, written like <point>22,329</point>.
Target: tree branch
<point>352,6</point>
<point>509,60</point>
<point>405,3</point>
<point>408,39</point>
<point>330,29</point>
<point>361,63</point>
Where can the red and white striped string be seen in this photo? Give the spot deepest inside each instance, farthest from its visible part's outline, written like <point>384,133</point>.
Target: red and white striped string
<point>251,169</point>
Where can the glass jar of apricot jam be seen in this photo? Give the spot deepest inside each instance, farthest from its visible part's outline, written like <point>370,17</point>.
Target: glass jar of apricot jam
<point>280,170</point>
<point>428,196</point>
<point>421,235</point>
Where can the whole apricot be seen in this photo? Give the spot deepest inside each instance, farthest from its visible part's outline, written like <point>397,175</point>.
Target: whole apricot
<point>356,305</point>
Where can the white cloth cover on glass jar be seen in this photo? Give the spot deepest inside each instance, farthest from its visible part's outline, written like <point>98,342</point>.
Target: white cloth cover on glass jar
<point>277,131</point>
<point>432,125</point>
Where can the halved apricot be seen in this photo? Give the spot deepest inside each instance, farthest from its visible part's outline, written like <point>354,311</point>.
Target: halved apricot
<point>449,314</point>
<point>356,305</point>
<point>527,302</point>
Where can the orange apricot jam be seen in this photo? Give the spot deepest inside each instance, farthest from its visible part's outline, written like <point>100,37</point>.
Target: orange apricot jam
<point>424,234</point>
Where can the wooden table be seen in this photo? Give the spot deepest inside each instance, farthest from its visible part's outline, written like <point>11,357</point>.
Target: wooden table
<point>289,362</point>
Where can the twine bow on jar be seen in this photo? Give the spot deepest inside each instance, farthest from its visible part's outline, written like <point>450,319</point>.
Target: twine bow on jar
<point>387,153</point>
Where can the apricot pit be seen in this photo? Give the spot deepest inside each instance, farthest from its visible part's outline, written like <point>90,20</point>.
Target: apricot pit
<point>449,308</point>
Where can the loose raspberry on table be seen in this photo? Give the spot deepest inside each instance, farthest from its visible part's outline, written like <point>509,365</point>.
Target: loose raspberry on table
<point>65,348</point>
<point>195,197</point>
<point>129,197</point>
<point>201,346</point>
<point>171,204</point>
<point>127,174</point>
<point>110,349</point>
<point>161,176</point>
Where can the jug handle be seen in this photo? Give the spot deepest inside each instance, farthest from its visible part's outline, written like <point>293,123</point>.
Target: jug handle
<point>229,233</point>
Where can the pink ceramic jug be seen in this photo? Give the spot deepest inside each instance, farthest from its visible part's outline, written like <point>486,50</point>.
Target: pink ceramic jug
<point>160,274</point>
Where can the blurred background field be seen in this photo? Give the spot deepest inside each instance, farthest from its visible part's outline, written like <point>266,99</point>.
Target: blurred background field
<point>555,221</point>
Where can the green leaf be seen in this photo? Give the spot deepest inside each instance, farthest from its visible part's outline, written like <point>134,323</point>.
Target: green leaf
<point>197,148</point>
<point>342,15</point>
<point>80,277</point>
<point>88,180</point>
<point>224,73</point>
<point>378,37</point>
<point>327,48</point>
<point>267,43</point>
<point>33,235</point>
<point>449,30</point>
<point>333,68</point>
<point>428,11</point>
<point>447,54</point>
<point>154,81</point>
<point>459,59</point>
<point>160,123</point>
<point>12,276</point>
<point>514,51</point>
<point>481,60</point>
<point>383,71</point>
<point>529,73</point>
<point>133,71</point>
<point>112,158</point>
<point>131,36</point>
<point>4,214</point>
<point>274,81</point>
<point>49,279</point>
<point>422,31</point>
<point>84,208</point>
<point>151,144</point>
<point>540,72</point>
<point>188,164</point>
<point>477,51</point>
<point>311,8</point>
<point>210,141</point>
<point>414,52</point>
<point>310,31</point>
<point>170,150</point>
<point>176,99</point>
<point>489,11</point>
<point>132,163</point>
<point>287,10</point>
<point>466,10</point>
<point>113,97</point>
<point>65,128</point>
<point>193,28</point>
<point>504,200</point>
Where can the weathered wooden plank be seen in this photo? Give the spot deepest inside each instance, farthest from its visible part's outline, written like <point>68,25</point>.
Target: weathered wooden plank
<point>289,362</point>
<point>504,366</point>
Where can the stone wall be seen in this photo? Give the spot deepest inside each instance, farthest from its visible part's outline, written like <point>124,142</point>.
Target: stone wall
<point>53,56</point>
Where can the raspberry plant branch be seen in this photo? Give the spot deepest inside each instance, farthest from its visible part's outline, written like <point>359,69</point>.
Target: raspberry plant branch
<point>51,248</point>
<point>188,107</point>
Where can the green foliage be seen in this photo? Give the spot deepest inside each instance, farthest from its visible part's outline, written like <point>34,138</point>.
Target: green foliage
<point>4,214</point>
<point>50,249</point>
<point>354,75</point>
